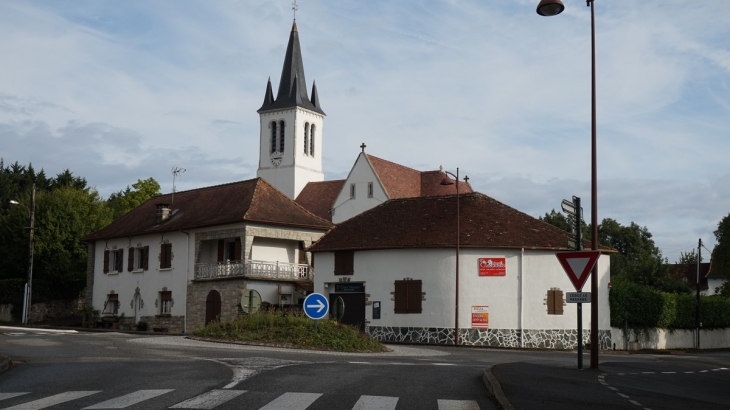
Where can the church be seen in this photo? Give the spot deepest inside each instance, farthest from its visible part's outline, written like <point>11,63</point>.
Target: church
<point>387,242</point>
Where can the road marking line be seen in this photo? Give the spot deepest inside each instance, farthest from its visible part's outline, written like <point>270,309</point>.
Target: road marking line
<point>129,399</point>
<point>648,372</point>
<point>669,372</point>
<point>376,403</point>
<point>4,396</point>
<point>209,399</point>
<point>623,395</point>
<point>689,372</point>
<point>402,364</point>
<point>53,400</point>
<point>458,405</point>
<point>704,371</point>
<point>292,401</point>
<point>714,370</point>
<point>444,364</point>
<point>635,402</point>
<point>359,362</point>
<point>613,388</point>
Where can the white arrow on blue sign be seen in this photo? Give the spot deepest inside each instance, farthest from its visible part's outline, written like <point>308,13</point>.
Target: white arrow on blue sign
<point>316,306</point>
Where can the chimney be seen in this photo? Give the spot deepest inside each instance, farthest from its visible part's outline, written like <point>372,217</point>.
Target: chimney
<point>163,212</point>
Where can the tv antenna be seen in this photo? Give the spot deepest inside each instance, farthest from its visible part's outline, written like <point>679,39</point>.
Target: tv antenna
<point>175,172</point>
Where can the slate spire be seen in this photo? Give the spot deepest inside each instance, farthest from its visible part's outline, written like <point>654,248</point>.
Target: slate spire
<point>292,91</point>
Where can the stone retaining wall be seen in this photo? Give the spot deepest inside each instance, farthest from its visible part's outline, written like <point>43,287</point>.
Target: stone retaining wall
<point>230,290</point>
<point>40,312</point>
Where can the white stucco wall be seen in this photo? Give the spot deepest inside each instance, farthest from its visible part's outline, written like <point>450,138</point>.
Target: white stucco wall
<point>149,282</point>
<point>273,250</point>
<point>361,175</point>
<point>512,303</point>
<point>712,285</point>
<point>671,339</point>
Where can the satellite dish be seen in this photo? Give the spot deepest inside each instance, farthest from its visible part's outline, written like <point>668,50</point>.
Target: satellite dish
<point>338,308</point>
<point>250,302</point>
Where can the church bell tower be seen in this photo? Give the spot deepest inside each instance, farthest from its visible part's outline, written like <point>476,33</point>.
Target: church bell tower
<point>290,151</point>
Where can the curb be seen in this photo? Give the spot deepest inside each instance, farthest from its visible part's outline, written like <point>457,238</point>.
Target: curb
<point>495,389</point>
<point>5,363</point>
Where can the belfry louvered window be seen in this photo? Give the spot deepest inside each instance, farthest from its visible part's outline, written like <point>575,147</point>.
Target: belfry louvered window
<point>282,126</point>
<point>311,140</point>
<point>273,136</point>
<point>306,138</point>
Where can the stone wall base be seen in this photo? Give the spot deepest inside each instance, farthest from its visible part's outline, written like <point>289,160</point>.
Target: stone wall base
<point>172,324</point>
<point>40,312</point>
<point>511,338</point>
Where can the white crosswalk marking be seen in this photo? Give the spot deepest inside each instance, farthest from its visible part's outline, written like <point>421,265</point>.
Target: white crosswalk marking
<point>53,400</point>
<point>458,405</point>
<point>129,399</point>
<point>376,403</point>
<point>4,396</point>
<point>292,401</point>
<point>209,400</point>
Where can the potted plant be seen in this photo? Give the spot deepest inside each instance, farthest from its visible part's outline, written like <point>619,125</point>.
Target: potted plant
<point>89,316</point>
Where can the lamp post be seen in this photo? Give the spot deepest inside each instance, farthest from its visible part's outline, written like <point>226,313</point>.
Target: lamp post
<point>447,181</point>
<point>28,287</point>
<point>552,8</point>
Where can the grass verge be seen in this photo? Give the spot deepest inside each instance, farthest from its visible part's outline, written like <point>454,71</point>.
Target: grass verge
<point>292,329</point>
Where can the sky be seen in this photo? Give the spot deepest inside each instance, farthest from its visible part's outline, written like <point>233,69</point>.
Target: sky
<point>117,91</point>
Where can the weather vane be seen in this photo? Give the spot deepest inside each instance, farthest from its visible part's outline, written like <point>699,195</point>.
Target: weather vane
<point>295,8</point>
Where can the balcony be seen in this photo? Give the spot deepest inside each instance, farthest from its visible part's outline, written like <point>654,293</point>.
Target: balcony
<point>253,270</point>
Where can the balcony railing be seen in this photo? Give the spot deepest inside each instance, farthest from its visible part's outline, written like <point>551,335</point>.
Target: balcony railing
<point>253,269</point>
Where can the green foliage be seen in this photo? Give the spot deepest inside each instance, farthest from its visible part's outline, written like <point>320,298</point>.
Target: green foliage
<point>644,307</point>
<point>688,258</point>
<point>292,329</point>
<point>125,200</point>
<point>721,252</point>
<point>565,223</point>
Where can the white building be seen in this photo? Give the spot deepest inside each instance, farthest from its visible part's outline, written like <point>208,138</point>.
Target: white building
<point>393,269</point>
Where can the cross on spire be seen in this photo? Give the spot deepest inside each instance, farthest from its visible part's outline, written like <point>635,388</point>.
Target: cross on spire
<point>295,8</point>
<point>363,147</point>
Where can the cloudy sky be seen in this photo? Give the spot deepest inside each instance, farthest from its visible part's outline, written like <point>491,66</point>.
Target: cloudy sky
<point>118,91</point>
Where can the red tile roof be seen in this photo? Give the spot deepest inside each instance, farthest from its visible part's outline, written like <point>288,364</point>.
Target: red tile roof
<point>399,181</point>
<point>431,184</point>
<point>254,200</point>
<point>319,197</point>
<point>430,222</point>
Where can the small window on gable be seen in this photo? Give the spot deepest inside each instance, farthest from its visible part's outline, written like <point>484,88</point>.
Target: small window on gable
<point>352,191</point>
<point>554,302</point>
<point>282,126</point>
<point>273,136</point>
<point>306,138</point>
<point>311,140</point>
<point>370,189</point>
<point>408,296</point>
<point>344,262</point>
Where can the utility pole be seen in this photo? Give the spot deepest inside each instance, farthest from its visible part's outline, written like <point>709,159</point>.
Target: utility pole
<point>698,322</point>
<point>29,285</point>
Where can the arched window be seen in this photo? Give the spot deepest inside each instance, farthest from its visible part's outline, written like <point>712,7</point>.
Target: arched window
<point>311,141</point>
<point>306,138</point>
<point>273,136</point>
<point>281,136</point>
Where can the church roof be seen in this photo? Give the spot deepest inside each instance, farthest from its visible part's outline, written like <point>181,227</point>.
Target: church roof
<point>318,197</point>
<point>402,182</point>
<point>430,222</point>
<point>292,90</point>
<point>253,200</point>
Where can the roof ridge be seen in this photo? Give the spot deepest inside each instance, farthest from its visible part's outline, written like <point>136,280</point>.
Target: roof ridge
<point>391,162</point>
<point>205,187</point>
<point>253,197</point>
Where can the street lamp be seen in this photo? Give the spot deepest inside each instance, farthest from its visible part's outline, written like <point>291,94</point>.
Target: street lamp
<point>447,181</point>
<point>28,286</point>
<point>551,8</point>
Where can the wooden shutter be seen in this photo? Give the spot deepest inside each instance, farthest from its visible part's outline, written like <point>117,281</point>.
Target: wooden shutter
<point>414,296</point>
<point>401,296</point>
<point>551,302</point>
<point>344,262</point>
<point>221,250</point>
<point>558,302</point>
<point>146,257</point>
<point>237,249</point>
<point>130,260</point>
<point>555,302</point>
<point>166,296</point>
<point>166,256</point>
<point>119,260</point>
<point>106,261</point>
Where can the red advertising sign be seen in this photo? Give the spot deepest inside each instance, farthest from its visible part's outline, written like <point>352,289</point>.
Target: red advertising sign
<point>479,316</point>
<point>492,267</point>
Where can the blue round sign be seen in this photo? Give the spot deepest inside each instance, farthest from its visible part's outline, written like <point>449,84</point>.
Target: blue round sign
<point>316,306</point>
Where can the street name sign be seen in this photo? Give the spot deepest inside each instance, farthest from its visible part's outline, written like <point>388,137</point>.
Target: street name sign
<point>578,297</point>
<point>578,265</point>
<point>316,306</point>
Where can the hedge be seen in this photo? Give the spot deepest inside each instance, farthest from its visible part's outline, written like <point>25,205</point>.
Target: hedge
<point>644,307</point>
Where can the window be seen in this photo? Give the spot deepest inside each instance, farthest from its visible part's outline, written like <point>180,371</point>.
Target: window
<point>165,302</point>
<point>344,262</point>
<point>352,191</point>
<point>408,296</point>
<point>281,136</point>
<point>311,140</point>
<point>229,250</point>
<point>138,259</point>
<point>554,302</point>
<point>273,136</point>
<point>111,306</point>
<point>113,261</point>
<point>370,189</point>
<point>166,256</point>
<point>306,138</point>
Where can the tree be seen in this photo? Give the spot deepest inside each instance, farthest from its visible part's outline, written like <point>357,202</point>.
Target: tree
<point>721,252</point>
<point>125,200</point>
<point>565,223</point>
<point>688,258</point>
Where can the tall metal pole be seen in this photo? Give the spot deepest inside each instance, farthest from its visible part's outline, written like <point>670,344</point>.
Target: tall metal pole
<point>458,237</point>
<point>594,199</point>
<point>698,323</point>
<point>29,292</point>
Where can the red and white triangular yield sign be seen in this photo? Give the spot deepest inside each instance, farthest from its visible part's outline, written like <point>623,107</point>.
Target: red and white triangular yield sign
<point>578,265</point>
